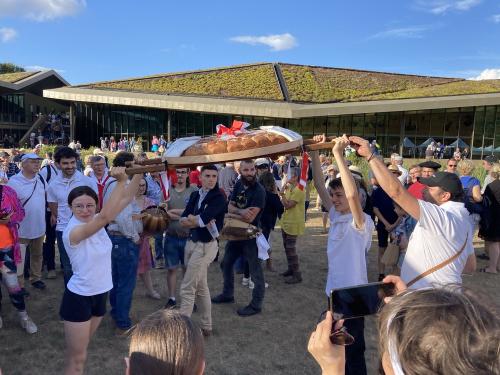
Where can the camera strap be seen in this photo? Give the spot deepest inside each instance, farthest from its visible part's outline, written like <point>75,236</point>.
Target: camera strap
<point>440,265</point>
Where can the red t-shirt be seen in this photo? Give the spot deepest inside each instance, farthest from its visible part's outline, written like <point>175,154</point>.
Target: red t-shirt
<point>416,189</point>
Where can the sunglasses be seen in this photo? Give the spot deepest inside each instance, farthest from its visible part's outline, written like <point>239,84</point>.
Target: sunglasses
<point>452,165</point>
<point>338,336</point>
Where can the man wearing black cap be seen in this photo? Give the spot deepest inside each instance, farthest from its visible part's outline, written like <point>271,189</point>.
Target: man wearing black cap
<point>488,162</point>
<point>440,248</point>
<point>429,167</point>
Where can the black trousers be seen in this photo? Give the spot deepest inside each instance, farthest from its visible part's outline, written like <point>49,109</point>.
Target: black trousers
<point>49,246</point>
<point>355,354</point>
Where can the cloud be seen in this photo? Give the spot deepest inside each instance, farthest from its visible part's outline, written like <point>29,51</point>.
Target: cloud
<point>496,18</point>
<point>411,32</point>
<point>38,68</point>
<point>444,6</point>
<point>488,74</point>
<point>41,10</point>
<point>277,42</point>
<point>7,34</point>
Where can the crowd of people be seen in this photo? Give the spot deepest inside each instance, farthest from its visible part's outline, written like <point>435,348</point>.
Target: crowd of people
<point>425,220</point>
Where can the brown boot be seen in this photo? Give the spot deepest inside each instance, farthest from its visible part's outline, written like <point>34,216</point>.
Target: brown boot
<point>269,265</point>
<point>287,273</point>
<point>295,279</point>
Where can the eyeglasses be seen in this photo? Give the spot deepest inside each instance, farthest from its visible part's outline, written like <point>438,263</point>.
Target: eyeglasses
<point>452,165</point>
<point>81,207</point>
<point>338,336</point>
<point>181,172</point>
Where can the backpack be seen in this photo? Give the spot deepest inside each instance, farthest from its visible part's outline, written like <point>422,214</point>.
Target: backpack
<point>472,206</point>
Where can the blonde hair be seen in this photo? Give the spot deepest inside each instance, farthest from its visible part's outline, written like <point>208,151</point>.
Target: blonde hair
<point>166,343</point>
<point>495,171</point>
<point>448,330</point>
<point>465,167</point>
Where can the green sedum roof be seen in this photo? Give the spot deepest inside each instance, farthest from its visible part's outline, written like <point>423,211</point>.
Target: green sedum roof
<point>321,85</point>
<point>253,82</point>
<point>448,89</point>
<point>301,83</point>
<point>14,77</point>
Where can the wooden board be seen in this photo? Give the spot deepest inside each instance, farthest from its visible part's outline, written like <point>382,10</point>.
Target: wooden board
<point>282,148</point>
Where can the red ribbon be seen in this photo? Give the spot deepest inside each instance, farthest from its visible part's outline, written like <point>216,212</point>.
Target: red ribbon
<point>238,127</point>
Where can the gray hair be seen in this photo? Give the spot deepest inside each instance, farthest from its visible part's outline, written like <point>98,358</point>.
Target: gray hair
<point>96,158</point>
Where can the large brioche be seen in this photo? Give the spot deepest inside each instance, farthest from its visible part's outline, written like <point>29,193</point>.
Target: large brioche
<point>246,141</point>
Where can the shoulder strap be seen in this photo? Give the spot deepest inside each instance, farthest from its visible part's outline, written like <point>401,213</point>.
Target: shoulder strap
<point>49,172</point>
<point>41,179</point>
<point>106,188</point>
<point>440,265</point>
<point>34,188</point>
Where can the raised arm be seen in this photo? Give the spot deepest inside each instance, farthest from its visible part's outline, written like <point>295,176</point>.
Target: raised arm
<point>318,178</point>
<point>118,200</point>
<point>350,187</point>
<point>387,181</point>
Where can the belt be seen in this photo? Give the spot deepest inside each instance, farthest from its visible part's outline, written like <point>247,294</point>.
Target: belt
<point>115,233</point>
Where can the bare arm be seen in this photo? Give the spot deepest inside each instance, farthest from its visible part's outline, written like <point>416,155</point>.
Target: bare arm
<point>381,217</point>
<point>319,181</point>
<point>476,194</point>
<point>350,188</point>
<point>387,181</point>
<point>117,202</point>
<point>53,213</point>
<point>247,214</point>
<point>470,264</point>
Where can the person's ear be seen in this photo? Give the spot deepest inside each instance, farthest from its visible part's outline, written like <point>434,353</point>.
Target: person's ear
<point>445,197</point>
<point>127,365</point>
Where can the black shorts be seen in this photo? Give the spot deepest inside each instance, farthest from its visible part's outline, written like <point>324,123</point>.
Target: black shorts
<point>76,308</point>
<point>383,236</point>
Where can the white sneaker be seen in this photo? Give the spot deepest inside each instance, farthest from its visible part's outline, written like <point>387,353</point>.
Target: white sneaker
<point>252,285</point>
<point>28,325</point>
<point>245,281</point>
<point>154,295</point>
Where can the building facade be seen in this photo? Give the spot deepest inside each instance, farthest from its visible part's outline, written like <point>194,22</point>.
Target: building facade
<point>387,107</point>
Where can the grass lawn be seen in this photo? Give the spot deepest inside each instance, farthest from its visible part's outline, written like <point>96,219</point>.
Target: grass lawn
<point>273,342</point>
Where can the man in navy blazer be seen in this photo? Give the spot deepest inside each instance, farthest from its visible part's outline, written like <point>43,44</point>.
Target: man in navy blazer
<point>204,216</point>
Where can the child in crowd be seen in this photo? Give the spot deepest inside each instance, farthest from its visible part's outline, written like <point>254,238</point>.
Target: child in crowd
<point>166,343</point>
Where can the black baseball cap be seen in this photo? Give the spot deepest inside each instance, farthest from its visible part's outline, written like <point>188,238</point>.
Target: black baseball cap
<point>491,159</point>
<point>449,182</point>
<point>430,164</point>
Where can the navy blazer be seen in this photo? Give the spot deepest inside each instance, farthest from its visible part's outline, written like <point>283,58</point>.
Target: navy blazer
<point>213,206</point>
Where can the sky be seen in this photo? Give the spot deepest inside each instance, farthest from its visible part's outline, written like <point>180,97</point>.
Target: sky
<point>97,40</point>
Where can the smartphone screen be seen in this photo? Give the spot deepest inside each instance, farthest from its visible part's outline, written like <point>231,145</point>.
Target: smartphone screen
<point>358,301</point>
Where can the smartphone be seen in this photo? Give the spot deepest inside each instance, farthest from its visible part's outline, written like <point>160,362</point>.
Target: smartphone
<point>360,300</point>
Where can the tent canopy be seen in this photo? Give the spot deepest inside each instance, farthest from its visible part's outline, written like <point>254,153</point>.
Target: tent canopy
<point>408,143</point>
<point>458,143</point>
<point>427,143</point>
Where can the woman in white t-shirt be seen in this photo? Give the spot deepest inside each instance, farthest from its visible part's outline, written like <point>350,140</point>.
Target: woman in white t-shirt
<point>89,250</point>
<point>349,238</point>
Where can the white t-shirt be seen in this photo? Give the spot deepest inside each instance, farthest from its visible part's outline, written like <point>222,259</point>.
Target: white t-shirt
<point>33,224</point>
<point>439,234</point>
<point>404,175</point>
<point>58,191</point>
<point>90,261</point>
<point>346,250</point>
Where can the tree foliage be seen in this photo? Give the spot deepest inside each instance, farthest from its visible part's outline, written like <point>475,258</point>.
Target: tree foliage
<point>10,68</point>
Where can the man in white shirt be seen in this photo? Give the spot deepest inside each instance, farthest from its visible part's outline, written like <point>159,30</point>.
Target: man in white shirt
<point>441,244</point>
<point>30,189</point>
<point>49,172</point>
<point>57,198</point>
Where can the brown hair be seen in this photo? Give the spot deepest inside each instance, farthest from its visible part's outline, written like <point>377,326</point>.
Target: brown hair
<point>267,180</point>
<point>447,330</point>
<point>166,343</point>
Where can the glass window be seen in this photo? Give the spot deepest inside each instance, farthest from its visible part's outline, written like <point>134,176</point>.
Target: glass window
<point>358,124</point>
<point>345,124</point>
<point>438,118</point>
<point>489,122</point>
<point>307,127</point>
<point>466,122</point>
<point>294,124</point>
<point>332,129</point>
<point>394,123</point>
<point>320,125</point>
<point>478,127</point>
<point>452,123</point>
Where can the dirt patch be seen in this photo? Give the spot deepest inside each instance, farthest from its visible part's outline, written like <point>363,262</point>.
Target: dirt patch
<point>273,342</point>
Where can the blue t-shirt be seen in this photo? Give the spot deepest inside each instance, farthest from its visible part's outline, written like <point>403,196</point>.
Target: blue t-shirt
<point>385,205</point>
<point>468,182</point>
<point>252,196</point>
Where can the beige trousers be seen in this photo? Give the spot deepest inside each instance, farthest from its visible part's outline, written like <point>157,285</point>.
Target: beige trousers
<point>36,258</point>
<point>194,287</point>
